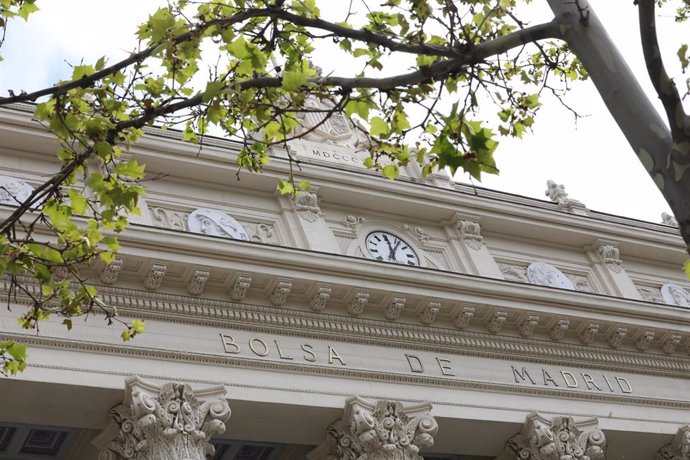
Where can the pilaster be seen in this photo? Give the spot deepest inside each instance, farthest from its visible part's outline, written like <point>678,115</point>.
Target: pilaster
<point>469,246</point>
<point>167,422</point>
<point>606,261</point>
<point>307,220</point>
<point>383,430</point>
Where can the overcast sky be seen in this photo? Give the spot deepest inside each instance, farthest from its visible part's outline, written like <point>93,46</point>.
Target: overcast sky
<point>592,159</point>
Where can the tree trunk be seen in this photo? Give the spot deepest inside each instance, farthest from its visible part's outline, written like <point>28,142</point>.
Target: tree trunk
<point>637,118</point>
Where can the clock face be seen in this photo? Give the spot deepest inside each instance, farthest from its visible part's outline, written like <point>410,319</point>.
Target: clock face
<point>387,247</point>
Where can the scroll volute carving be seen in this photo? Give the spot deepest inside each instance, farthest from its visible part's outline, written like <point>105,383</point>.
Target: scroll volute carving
<point>679,448</point>
<point>383,430</point>
<point>558,439</point>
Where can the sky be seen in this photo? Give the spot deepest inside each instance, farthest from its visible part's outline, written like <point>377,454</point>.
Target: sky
<point>591,158</point>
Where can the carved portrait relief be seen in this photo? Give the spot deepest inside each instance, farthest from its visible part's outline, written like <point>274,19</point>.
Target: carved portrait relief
<point>545,274</point>
<point>675,295</point>
<point>216,223</point>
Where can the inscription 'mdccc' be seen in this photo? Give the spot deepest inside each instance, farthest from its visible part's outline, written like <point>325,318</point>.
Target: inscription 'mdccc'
<point>272,349</point>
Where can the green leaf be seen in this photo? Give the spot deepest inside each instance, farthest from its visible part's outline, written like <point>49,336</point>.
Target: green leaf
<point>137,326</point>
<point>285,187</point>
<point>683,57</point>
<point>212,90</point>
<point>293,80</point>
<point>379,127</point>
<point>390,171</point>
<point>77,202</point>
<point>687,268</point>
<point>67,323</point>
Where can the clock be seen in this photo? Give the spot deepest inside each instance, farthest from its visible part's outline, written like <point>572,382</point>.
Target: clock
<point>387,247</point>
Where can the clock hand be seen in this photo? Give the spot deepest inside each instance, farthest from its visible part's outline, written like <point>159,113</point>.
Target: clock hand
<point>390,248</point>
<point>394,250</point>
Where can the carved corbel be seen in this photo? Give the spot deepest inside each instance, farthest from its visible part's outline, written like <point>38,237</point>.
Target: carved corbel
<point>548,439</point>
<point>496,321</point>
<point>197,283</point>
<point>615,336</point>
<point>588,332</point>
<point>644,341</point>
<point>280,292</point>
<point>320,298</point>
<point>527,324</point>
<point>240,286</point>
<point>393,310</point>
<point>670,342</point>
<point>383,430</point>
<point>358,302</point>
<point>111,272</point>
<point>429,312</point>
<point>154,278</point>
<point>170,422</point>
<point>679,448</point>
<point>464,317</point>
<point>558,329</point>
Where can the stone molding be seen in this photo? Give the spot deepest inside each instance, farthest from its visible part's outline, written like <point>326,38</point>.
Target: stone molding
<point>216,313</point>
<point>167,422</point>
<point>679,448</point>
<point>560,438</point>
<point>381,430</point>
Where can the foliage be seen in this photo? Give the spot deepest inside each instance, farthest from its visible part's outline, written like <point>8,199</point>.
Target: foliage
<point>461,55</point>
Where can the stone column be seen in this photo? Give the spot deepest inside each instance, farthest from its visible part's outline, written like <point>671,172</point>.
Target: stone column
<point>556,439</point>
<point>168,422</point>
<point>679,448</point>
<point>383,430</point>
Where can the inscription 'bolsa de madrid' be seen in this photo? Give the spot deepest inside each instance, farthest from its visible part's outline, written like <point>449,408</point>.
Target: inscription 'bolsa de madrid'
<point>272,349</point>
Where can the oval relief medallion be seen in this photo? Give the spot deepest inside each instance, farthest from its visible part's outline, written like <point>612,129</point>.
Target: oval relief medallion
<point>545,274</point>
<point>675,295</point>
<point>216,223</point>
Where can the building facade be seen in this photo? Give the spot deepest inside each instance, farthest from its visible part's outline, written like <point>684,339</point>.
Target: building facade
<point>363,319</point>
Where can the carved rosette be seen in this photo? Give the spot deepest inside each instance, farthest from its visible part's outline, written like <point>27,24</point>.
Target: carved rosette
<point>171,422</point>
<point>559,439</point>
<point>679,448</point>
<point>383,430</point>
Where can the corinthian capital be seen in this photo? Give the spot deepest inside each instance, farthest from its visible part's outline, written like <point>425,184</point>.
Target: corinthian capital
<point>383,430</point>
<point>170,422</point>
<point>560,438</point>
<point>679,448</point>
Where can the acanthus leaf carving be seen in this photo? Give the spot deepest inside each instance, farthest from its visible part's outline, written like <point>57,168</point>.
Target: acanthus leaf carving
<point>154,277</point>
<point>170,422</point>
<point>670,343</point>
<point>644,341</point>
<point>166,218</point>
<point>320,298</point>
<point>240,286</point>
<point>197,283</point>
<point>111,272</point>
<point>280,292</point>
<point>307,206</point>
<point>383,430</point>
<point>679,448</point>
<point>557,194</point>
<point>358,302</point>
<point>464,317</point>
<point>527,325</point>
<point>616,336</point>
<point>559,439</point>
<point>588,333</point>
<point>394,308</point>
<point>496,321</point>
<point>429,312</point>
<point>558,329</point>
<point>609,254</point>
<point>470,232</point>
<point>417,232</point>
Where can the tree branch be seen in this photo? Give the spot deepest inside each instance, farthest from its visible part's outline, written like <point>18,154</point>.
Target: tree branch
<point>664,86</point>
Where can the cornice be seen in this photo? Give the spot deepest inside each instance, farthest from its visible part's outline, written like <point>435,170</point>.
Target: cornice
<point>215,161</point>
